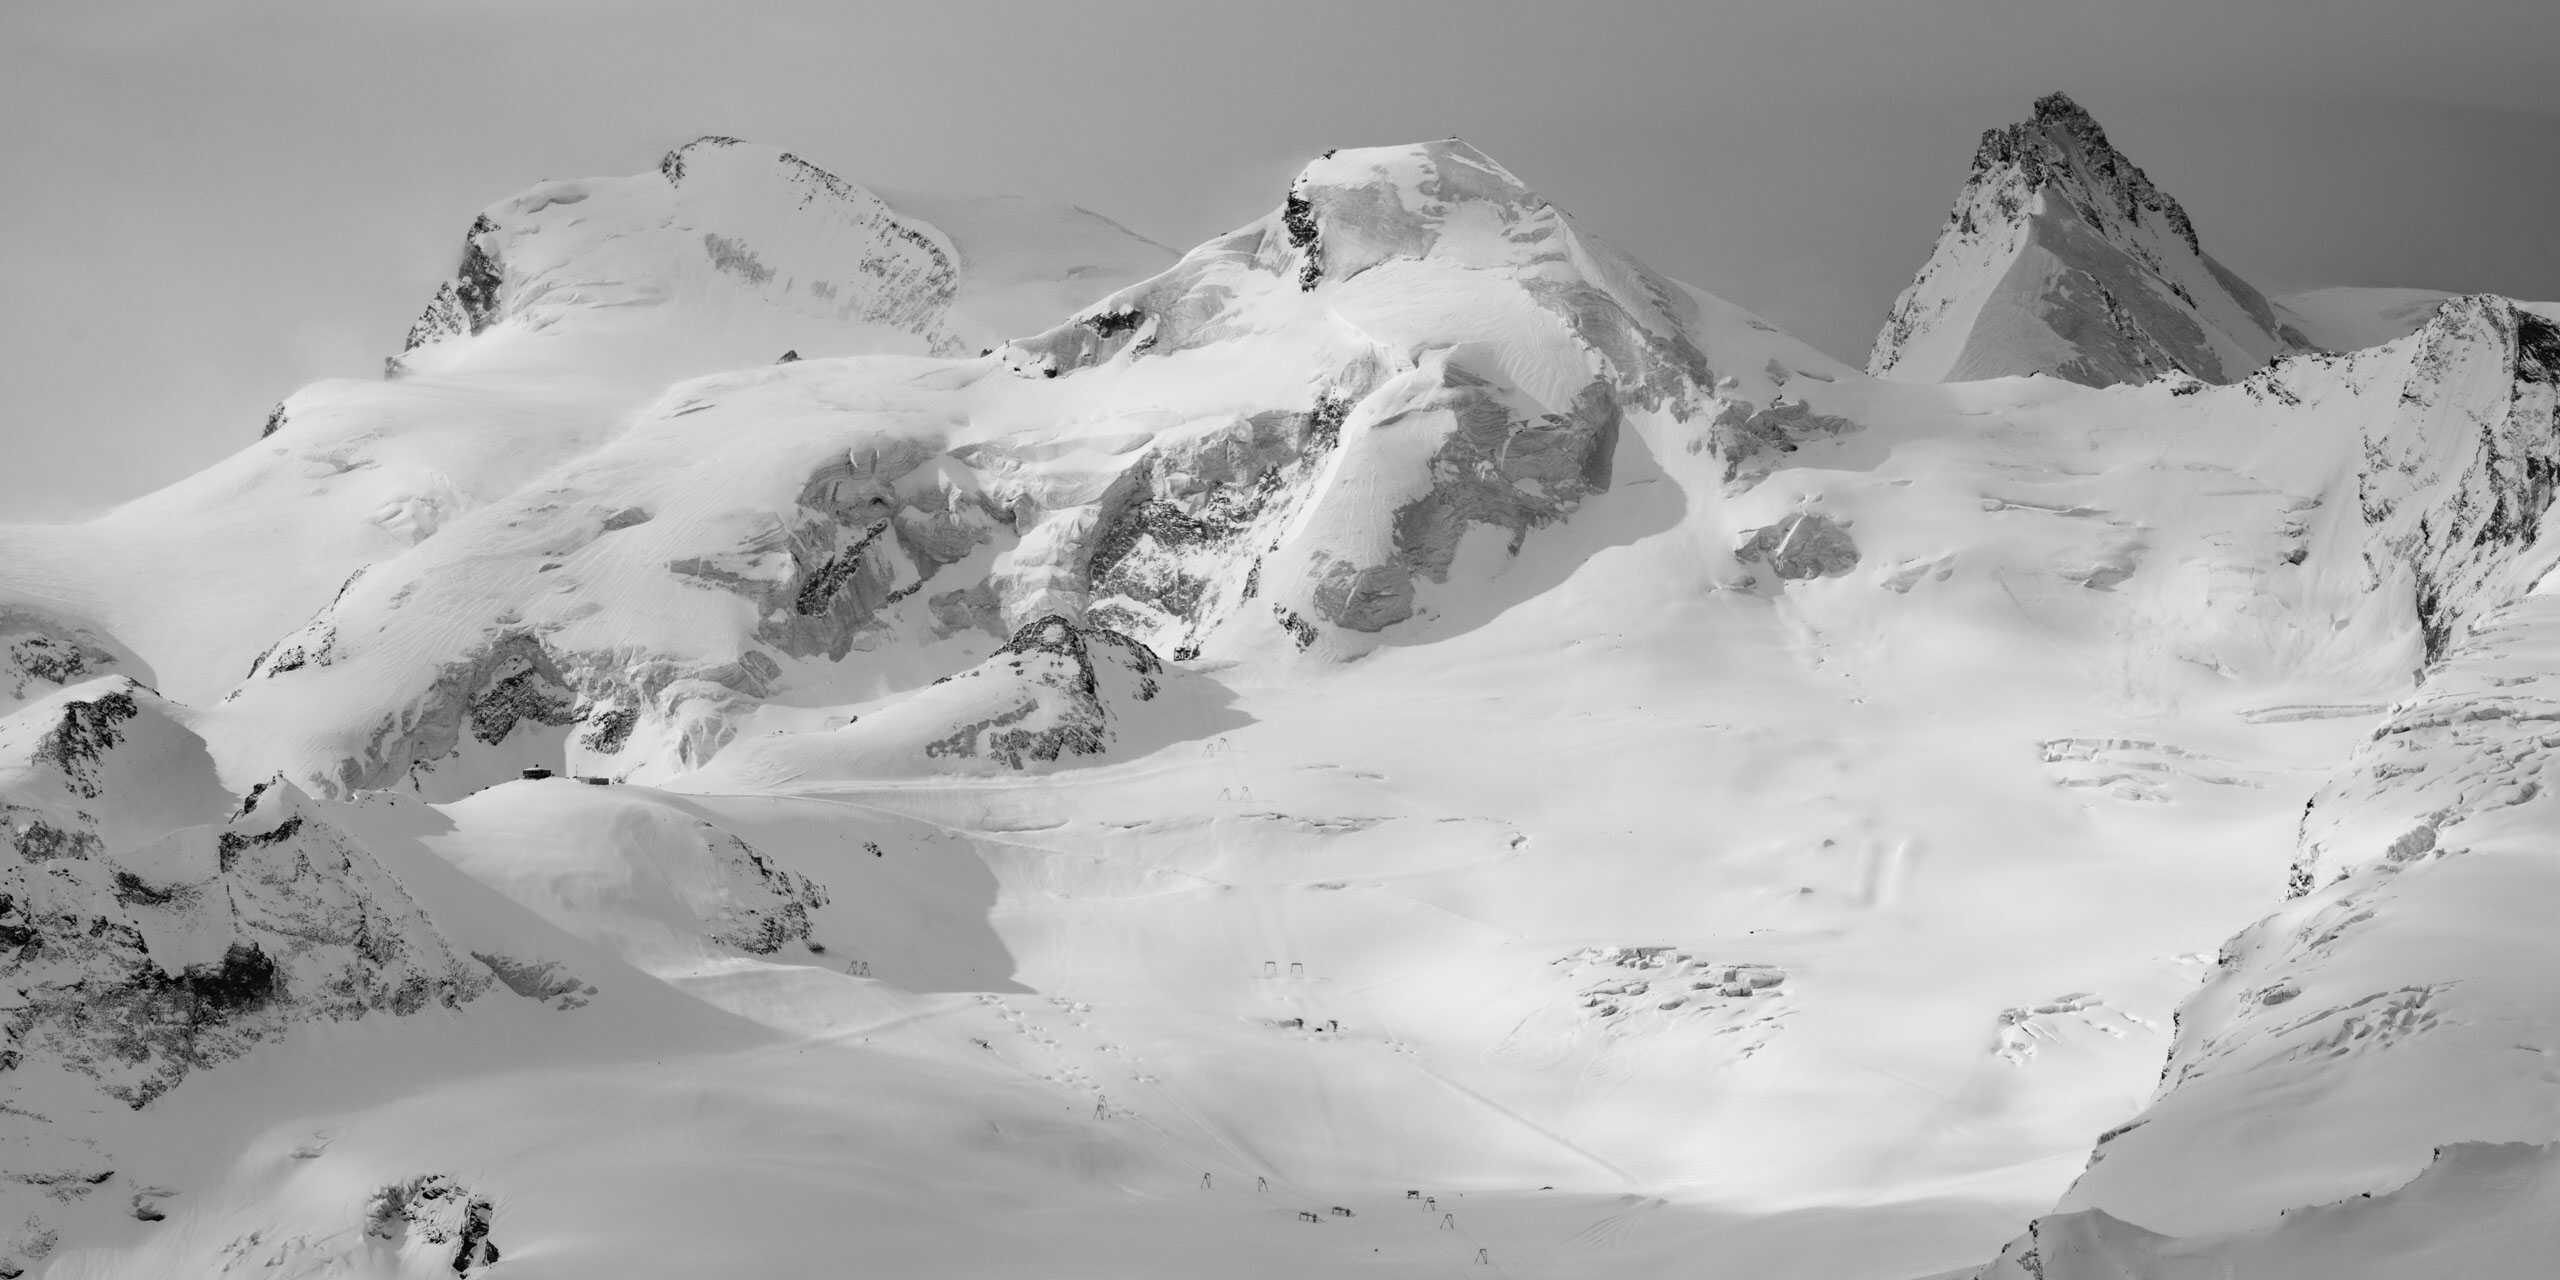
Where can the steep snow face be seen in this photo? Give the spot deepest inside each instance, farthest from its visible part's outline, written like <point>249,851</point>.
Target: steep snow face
<point>2060,257</point>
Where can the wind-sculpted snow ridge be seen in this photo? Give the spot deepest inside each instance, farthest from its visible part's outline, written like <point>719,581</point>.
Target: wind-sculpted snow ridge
<point>144,937</point>
<point>2061,257</point>
<point>1242,454</point>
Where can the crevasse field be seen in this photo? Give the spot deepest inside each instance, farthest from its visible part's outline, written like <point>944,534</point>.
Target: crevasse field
<point>1396,743</point>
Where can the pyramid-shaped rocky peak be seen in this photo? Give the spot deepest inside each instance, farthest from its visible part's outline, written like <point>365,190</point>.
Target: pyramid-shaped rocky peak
<point>2062,257</point>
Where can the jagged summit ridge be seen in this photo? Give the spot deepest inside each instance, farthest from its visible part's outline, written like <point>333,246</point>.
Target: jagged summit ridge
<point>2062,257</point>
<point>2061,138</point>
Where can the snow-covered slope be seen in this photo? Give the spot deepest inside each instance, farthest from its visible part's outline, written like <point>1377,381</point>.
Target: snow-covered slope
<point>2061,257</point>
<point>2339,1091</point>
<point>1400,742</point>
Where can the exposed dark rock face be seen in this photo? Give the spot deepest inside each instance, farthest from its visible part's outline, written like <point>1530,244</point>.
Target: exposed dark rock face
<point>275,421</point>
<point>840,536</point>
<point>2043,150</point>
<point>82,734</point>
<point>1370,599</point>
<point>1804,545</point>
<point>518,683</point>
<point>467,303</point>
<point>1167,553</point>
<point>769,906</point>
<point>320,931</point>
<point>1067,680</point>
<point>1497,466</point>
<point>541,981</point>
<point>438,1214</point>
<point>1298,215</point>
<point>609,730</point>
<point>1754,441</point>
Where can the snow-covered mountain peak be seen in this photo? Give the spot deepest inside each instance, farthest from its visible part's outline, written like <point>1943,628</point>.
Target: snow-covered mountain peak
<point>2062,257</point>
<point>1350,210</point>
<point>731,253</point>
<point>724,230</point>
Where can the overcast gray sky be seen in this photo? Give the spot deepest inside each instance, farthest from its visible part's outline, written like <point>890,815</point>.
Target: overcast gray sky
<point>209,203</point>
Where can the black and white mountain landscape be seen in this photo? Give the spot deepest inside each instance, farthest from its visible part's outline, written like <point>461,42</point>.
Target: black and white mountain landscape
<point>797,729</point>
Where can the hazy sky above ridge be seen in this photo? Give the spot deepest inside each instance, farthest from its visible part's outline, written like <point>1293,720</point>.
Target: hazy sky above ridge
<point>212,202</point>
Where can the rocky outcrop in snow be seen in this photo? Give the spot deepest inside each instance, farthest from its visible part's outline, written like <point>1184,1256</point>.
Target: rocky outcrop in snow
<point>143,937</point>
<point>2062,257</point>
<point>1497,464</point>
<point>1058,694</point>
<point>435,1216</point>
<point>1069,679</point>
<point>1806,544</point>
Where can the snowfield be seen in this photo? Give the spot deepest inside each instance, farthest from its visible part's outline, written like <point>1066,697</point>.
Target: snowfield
<point>1397,743</point>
